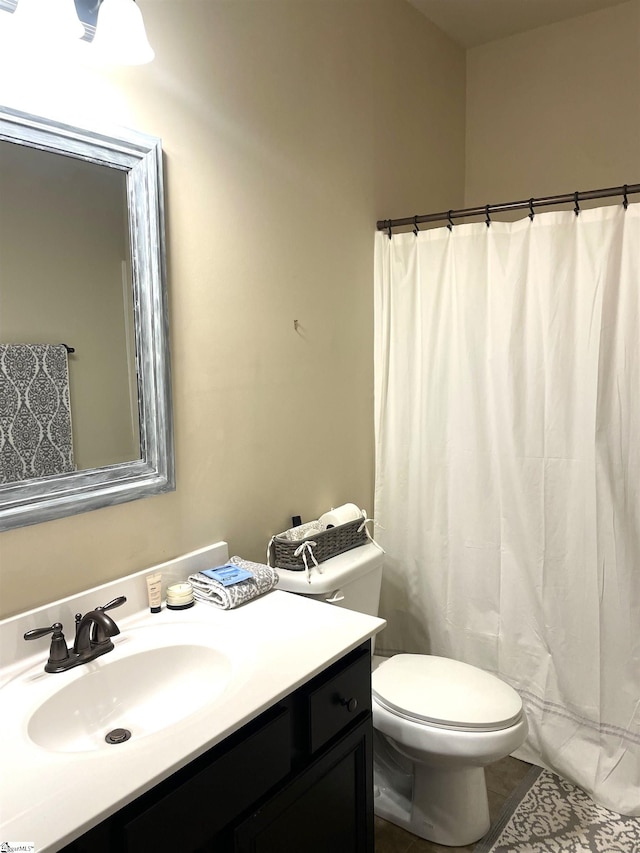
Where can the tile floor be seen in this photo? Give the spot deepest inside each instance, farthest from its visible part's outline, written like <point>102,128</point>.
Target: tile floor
<point>502,778</point>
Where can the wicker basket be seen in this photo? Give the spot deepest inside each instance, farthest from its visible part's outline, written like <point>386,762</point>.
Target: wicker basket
<point>328,543</point>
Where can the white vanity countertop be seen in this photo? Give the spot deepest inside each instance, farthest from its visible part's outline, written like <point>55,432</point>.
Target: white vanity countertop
<point>281,641</point>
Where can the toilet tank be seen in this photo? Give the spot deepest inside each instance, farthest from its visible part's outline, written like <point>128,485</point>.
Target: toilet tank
<point>350,580</point>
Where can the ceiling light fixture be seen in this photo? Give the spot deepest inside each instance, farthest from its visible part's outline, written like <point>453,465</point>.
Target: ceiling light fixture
<point>114,29</point>
<point>51,20</point>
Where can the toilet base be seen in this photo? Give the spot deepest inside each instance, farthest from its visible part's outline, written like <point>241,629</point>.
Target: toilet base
<point>446,806</point>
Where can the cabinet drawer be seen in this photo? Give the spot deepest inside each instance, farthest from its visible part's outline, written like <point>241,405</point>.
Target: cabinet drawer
<point>189,816</point>
<point>337,701</point>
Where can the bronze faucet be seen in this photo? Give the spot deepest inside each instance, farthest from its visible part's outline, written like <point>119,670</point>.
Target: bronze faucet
<point>93,633</point>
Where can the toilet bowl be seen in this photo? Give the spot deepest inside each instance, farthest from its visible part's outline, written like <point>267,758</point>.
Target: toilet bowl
<point>437,722</point>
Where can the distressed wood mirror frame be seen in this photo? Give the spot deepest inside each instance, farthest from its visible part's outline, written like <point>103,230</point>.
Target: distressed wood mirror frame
<point>140,157</point>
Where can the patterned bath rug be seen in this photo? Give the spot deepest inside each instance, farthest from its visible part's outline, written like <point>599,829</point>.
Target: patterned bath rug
<point>545,814</point>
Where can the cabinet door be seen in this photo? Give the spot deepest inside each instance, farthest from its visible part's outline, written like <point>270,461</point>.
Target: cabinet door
<point>193,812</point>
<point>328,808</point>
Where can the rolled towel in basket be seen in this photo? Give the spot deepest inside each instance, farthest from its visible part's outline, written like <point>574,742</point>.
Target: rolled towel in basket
<point>302,531</point>
<point>263,579</point>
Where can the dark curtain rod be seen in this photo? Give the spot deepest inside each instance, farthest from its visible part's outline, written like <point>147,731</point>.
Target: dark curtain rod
<point>528,204</point>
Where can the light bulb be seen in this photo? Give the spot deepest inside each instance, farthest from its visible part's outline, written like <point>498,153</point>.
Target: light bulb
<point>50,21</point>
<point>121,38</point>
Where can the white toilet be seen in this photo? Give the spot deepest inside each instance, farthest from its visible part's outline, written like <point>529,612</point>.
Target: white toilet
<point>437,721</point>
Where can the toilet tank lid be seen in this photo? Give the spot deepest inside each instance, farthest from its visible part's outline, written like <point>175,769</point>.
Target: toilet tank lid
<point>333,573</point>
<point>445,692</point>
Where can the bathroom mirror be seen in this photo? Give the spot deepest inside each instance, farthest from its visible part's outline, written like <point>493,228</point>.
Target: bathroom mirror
<point>85,267</point>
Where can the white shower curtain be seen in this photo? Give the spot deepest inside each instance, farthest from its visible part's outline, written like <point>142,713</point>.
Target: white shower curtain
<point>507,394</point>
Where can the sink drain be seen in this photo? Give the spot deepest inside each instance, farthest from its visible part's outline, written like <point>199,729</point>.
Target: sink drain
<point>117,736</point>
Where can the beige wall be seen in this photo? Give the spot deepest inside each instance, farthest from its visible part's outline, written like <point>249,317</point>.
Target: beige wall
<point>289,127</point>
<point>555,110</point>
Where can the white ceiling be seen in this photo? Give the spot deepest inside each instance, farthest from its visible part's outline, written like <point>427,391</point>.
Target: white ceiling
<point>474,22</point>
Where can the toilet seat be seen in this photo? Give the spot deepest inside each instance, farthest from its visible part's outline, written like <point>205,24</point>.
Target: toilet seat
<point>445,693</point>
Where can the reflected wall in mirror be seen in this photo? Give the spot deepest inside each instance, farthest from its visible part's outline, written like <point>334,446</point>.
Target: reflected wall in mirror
<point>82,262</point>
<point>65,275</point>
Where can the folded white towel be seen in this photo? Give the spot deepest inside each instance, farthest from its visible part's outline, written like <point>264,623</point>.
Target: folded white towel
<point>208,589</point>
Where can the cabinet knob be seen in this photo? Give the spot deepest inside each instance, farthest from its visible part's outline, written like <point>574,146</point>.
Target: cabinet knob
<point>350,704</point>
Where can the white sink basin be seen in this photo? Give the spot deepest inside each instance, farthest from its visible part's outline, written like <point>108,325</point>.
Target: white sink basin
<point>142,693</point>
<point>154,678</point>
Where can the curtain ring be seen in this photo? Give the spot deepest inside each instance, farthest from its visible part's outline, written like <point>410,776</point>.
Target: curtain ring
<point>450,225</point>
<point>389,228</point>
<point>488,218</point>
<point>625,200</point>
<point>416,230</point>
<point>576,208</point>
<point>531,213</point>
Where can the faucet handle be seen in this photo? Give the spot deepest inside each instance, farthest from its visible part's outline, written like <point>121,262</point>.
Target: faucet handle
<point>36,633</point>
<point>117,602</point>
<point>58,653</point>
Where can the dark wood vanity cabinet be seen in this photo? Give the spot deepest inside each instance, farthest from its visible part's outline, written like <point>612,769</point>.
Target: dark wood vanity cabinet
<point>324,809</point>
<point>298,778</point>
